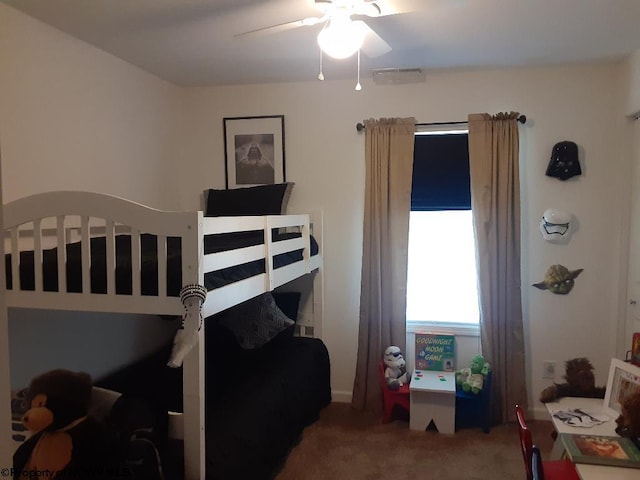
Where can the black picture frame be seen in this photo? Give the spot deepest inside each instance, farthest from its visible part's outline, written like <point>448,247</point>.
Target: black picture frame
<point>254,151</point>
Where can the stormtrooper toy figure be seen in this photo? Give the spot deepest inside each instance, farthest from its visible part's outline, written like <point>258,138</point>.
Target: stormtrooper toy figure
<point>395,372</point>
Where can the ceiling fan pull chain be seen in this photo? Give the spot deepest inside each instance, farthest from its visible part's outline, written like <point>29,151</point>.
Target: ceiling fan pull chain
<point>320,75</point>
<point>358,86</point>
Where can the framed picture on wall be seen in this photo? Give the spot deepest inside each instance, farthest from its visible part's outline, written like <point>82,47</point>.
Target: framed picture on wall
<point>624,379</point>
<point>254,150</point>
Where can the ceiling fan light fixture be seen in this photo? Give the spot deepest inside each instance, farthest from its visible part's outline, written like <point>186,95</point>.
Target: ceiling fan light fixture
<point>341,37</point>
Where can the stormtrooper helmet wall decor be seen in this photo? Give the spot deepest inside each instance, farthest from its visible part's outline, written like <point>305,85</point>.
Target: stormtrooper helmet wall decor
<point>555,225</point>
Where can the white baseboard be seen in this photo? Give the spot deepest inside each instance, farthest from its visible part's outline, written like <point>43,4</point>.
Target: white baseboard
<point>540,413</point>
<point>341,396</point>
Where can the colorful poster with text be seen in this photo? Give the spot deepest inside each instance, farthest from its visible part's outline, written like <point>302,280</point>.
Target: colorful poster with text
<point>435,351</point>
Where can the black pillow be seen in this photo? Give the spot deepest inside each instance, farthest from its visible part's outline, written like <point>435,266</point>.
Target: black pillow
<point>258,200</point>
<point>255,322</point>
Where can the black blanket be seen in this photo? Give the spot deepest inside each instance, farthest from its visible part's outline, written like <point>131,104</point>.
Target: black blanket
<point>149,263</point>
<point>256,411</point>
<point>258,402</point>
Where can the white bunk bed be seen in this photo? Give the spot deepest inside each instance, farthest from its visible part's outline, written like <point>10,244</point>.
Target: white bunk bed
<point>44,221</point>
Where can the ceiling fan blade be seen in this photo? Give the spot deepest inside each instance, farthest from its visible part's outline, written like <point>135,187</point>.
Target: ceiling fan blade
<point>304,22</point>
<point>374,45</point>
<point>383,8</point>
<point>367,8</point>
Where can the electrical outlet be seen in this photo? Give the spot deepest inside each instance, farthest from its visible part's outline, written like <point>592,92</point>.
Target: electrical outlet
<point>549,369</point>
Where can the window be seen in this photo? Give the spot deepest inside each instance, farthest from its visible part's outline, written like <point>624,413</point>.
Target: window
<point>442,276</point>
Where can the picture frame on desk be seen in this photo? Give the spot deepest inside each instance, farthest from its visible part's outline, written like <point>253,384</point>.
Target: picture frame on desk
<point>635,349</point>
<point>624,379</point>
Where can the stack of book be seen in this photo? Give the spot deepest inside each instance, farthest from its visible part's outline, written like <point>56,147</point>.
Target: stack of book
<point>602,450</point>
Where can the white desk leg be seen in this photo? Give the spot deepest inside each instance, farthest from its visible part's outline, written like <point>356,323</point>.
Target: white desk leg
<point>557,452</point>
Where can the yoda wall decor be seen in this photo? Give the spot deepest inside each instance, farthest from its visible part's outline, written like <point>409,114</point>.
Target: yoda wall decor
<point>559,279</point>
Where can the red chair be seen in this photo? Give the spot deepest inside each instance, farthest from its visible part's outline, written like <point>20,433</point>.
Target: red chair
<point>551,469</point>
<point>392,398</point>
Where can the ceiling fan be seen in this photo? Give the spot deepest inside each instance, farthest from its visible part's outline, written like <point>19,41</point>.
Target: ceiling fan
<point>344,32</point>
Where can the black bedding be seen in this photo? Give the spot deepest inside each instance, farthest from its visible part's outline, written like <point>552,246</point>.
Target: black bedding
<point>254,419</point>
<point>257,401</point>
<point>149,263</point>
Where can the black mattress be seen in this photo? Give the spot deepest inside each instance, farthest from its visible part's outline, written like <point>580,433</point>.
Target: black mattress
<point>258,402</point>
<point>149,263</point>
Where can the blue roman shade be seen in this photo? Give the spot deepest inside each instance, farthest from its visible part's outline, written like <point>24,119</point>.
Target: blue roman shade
<point>441,173</point>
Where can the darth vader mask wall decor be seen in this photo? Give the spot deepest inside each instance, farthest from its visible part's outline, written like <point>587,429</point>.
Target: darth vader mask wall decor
<point>564,162</point>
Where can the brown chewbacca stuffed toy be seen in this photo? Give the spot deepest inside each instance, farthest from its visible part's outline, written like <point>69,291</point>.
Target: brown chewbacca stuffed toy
<point>629,420</point>
<point>580,382</point>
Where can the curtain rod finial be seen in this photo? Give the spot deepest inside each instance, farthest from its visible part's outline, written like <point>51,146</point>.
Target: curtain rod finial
<point>359,127</point>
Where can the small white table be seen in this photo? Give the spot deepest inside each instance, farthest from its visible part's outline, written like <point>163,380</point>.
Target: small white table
<point>433,398</point>
<point>586,471</point>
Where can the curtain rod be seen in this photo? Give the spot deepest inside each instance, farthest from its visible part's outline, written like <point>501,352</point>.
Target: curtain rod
<point>360,125</point>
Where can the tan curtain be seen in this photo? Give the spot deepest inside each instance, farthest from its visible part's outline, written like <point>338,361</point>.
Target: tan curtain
<point>495,202</point>
<point>389,169</point>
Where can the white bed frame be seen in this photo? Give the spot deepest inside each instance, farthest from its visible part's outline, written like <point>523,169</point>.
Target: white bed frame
<point>34,222</point>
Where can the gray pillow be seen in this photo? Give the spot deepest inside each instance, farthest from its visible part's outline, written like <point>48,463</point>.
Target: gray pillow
<point>256,321</point>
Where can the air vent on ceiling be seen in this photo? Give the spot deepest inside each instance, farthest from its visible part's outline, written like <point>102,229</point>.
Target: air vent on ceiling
<point>394,76</point>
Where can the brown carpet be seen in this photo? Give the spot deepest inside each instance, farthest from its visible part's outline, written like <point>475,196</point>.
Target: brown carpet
<point>345,444</point>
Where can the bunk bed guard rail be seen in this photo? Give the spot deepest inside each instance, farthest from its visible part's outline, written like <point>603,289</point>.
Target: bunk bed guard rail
<point>52,238</point>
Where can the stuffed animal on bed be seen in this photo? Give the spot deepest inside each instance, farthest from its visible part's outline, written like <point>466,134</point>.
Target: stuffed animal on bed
<point>395,371</point>
<point>628,423</point>
<point>580,382</point>
<point>64,441</point>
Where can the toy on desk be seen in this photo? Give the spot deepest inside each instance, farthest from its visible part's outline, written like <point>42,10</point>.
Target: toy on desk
<point>628,423</point>
<point>471,378</point>
<point>395,371</point>
<point>580,382</point>
<point>64,438</point>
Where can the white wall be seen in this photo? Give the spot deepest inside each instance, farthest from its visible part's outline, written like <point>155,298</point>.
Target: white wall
<point>76,118</point>
<point>631,296</point>
<point>324,156</point>
<point>103,123</point>
<point>633,83</point>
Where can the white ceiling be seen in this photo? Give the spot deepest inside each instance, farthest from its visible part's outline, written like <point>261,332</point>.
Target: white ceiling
<point>191,42</point>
